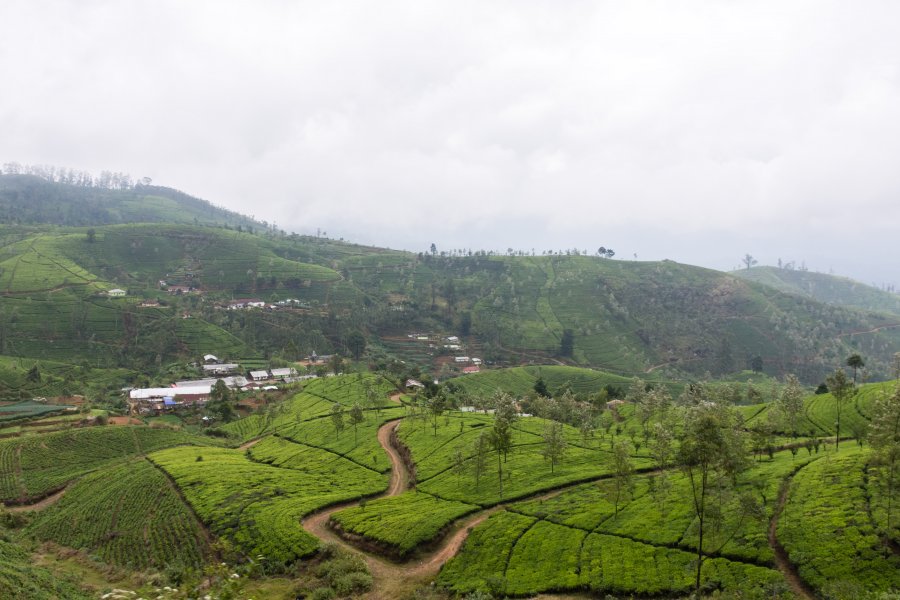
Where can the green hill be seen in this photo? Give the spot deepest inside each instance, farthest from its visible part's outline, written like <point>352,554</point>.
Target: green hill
<point>28,199</point>
<point>648,319</point>
<point>829,289</point>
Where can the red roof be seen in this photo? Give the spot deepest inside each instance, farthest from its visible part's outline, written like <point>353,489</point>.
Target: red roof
<point>471,370</point>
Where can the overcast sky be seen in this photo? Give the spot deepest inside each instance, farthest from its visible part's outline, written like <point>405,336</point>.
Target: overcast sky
<point>695,131</point>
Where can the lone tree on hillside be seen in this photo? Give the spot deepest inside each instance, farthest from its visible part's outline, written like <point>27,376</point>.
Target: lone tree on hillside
<point>554,443</point>
<point>337,418</point>
<point>842,389</point>
<point>501,432</point>
<point>356,417</point>
<point>540,388</point>
<point>480,455</point>
<point>711,454</point>
<point>623,470</point>
<point>855,362</point>
<point>749,260</point>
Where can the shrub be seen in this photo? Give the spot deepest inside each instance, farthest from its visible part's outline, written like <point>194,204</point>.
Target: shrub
<point>322,593</point>
<point>353,583</point>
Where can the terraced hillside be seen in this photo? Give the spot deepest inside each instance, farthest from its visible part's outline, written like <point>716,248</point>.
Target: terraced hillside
<point>624,317</point>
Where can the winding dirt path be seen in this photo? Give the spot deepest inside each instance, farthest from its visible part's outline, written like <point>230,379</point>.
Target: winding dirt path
<point>782,561</point>
<point>40,505</point>
<point>249,444</point>
<point>392,579</point>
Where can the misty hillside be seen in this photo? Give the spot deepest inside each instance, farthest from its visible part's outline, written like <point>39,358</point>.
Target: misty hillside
<point>30,199</point>
<point>830,289</point>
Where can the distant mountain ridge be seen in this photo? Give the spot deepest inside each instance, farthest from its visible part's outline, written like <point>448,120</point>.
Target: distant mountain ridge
<point>830,289</point>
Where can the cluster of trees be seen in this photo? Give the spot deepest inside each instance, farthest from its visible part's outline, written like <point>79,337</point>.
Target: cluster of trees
<point>602,252</point>
<point>107,180</point>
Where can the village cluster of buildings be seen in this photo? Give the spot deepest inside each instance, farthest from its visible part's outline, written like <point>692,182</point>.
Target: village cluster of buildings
<point>198,391</point>
<point>452,344</point>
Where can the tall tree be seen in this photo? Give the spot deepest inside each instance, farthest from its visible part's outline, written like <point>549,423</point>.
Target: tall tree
<point>711,455</point>
<point>554,443</point>
<point>842,389</point>
<point>749,260</point>
<point>436,406</point>
<point>855,362</point>
<point>356,417</point>
<point>662,451</point>
<point>501,432</point>
<point>480,455</point>
<point>356,343</point>
<point>567,343</point>
<point>34,375</point>
<point>337,418</point>
<point>459,465</point>
<point>336,364</point>
<point>790,403</point>
<point>884,437</point>
<point>623,470</point>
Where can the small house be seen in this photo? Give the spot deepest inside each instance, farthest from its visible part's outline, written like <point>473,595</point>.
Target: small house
<point>210,358</point>
<point>220,368</point>
<point>468,370</point>
<point>116,293</point>
<point>461,359</point>
<point>284,373</point>
<point>412,384</point>
<point>259,375</point>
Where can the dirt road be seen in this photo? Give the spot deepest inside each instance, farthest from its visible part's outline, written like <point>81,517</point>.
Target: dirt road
<point>396,579</point>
